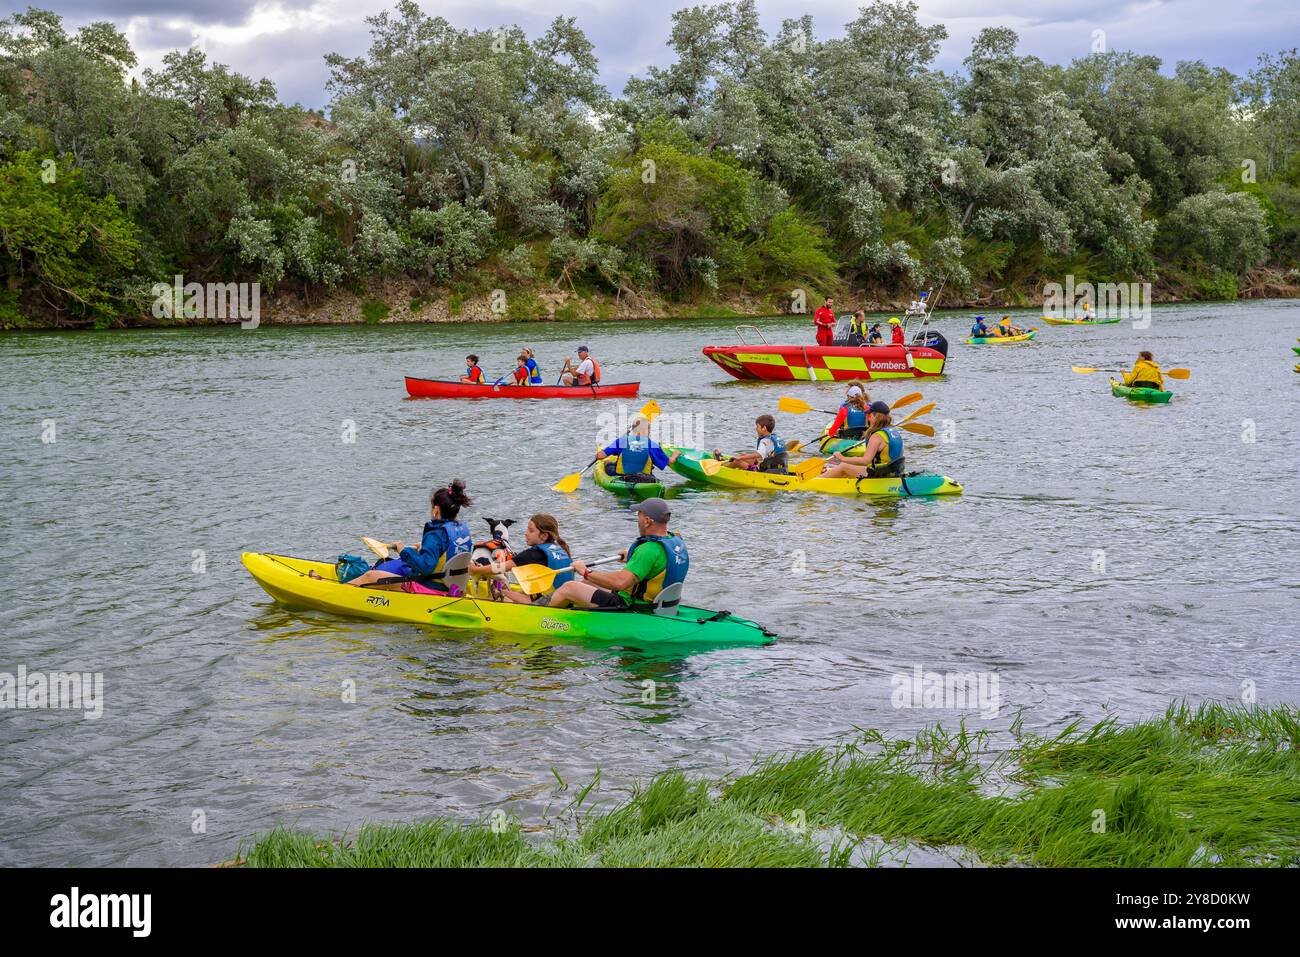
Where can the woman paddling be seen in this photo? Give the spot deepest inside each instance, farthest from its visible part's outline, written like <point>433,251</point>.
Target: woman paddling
<point>545,547</point>
<point>530,362</point>
<point>444,538</point>
<point>1145,374</point>
<point>851,420</point>
<point>883,456</point>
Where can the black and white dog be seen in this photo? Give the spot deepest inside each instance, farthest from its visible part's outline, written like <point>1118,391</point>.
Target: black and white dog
<point>497,548</point>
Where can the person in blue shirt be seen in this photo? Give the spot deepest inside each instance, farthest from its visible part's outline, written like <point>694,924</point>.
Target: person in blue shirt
<point>444,537</point>
<point>979,330</point>
<point>635,455</point>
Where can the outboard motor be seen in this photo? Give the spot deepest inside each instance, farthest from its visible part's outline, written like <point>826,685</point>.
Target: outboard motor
<point>932,339</point>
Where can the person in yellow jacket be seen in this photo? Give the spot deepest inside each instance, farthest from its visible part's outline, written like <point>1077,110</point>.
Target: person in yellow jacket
<point>1146,374</point>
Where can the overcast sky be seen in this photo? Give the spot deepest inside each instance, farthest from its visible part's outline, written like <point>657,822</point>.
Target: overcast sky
<point>285,40</point>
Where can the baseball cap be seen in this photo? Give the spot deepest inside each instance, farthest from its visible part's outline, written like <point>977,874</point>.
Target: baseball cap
<point>583,349</point>
<point>655,509</point>
<point>881,407</point>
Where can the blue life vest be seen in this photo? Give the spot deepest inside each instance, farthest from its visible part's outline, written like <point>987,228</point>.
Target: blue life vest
<point>778,460</point>
<point>892,453</point>
<point>557,557</point>
<point>855,418</point>
<point>441,540</point>
<point>633,454</point>
<point>679,562</point>
<point>979,330</point>
<point>534,373</point>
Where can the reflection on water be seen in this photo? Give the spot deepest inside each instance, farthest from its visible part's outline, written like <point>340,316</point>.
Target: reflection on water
<point>178,450</point>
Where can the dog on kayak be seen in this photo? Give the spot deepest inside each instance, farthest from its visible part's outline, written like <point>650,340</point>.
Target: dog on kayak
<point>497,548</point>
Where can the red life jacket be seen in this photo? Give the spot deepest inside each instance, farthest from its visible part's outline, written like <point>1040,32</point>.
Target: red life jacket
<point>595,371</point>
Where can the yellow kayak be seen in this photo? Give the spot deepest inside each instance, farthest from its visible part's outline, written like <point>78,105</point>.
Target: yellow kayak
<point>690,464</point>
<point>288,581</point>
<point>999,340</point>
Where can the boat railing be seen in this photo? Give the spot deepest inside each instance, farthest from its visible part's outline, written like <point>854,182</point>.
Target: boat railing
<point>758,332</point>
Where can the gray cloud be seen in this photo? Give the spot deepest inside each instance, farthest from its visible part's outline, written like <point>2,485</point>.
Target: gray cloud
<point>630,37</point>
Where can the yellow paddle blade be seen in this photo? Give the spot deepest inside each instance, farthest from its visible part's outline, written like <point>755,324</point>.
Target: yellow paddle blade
<point>793,406</point>
<point>809,469</point>
<point>907,400</point>
<point>569,483</point>
<point>710,466</point>
<point>1179,373</point>
<point>918,413</point>
<point>793,447</point>
<point>650,410</point>
<point>920,428</point>
<point>375,545</point>
<point>534,579</point>
<point>1083,370</point>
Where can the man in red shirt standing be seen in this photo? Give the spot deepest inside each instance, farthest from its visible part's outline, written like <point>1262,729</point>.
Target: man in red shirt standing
<point>898,331</point>
<point>825,320</point>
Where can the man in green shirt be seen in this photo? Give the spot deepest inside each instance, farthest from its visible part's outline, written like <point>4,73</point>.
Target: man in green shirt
<point>655,561</point>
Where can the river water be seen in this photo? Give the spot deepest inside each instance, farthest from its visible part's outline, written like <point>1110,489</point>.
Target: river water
<point>1105,558</point>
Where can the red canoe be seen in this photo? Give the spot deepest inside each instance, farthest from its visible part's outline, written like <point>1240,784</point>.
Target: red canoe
<point>826,363</point>
<point>442,389</point>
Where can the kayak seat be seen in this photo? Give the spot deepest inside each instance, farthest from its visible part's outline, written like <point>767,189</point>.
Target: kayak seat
<point>666,601</point>
<point>456,572</point>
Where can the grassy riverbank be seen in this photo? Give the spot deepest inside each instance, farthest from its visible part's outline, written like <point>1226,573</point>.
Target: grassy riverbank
<point>1208,786</point>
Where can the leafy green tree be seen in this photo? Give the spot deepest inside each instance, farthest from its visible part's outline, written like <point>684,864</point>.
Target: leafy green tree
<point>1223,230</point>
<point>61,244</point>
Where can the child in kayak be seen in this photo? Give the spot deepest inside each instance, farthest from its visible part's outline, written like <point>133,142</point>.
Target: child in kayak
<point>521,371</point>
<point>1145,374</point>
<point>769,453</point>
<point>636,455</point>
<point>534,370</point>
<point>545,547</point>
<point>979,330</point>
<point>883,456</point>
<point>852,417</point>
<point>473,374</point>
<point>444,537</point>
<point>586,372</point>
<point>1005,328</point>
<point>656,560</point>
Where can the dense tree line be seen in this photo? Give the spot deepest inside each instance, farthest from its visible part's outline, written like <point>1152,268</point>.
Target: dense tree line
<point>466,160</point>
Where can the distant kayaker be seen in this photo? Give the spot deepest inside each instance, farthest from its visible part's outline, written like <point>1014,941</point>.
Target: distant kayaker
<point>979,330</point>
<point>656,560</point>
<point>545,547</point>
<point>824,319</point>
<point>1005,328</point>
<point>444,537</point>
<point>534,370</point>
<point>635,454</point>
<point>473,374</point>
<point>769,453</point>
<point>876,338</point>
<point>1145,374</point>
<point>586,372</point>
<point>853,411</point>
<point>883,456</point>
<point>898,339</point>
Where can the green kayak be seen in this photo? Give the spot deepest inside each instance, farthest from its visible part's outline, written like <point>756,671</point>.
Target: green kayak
<point>1296,350</point>
<point>1138,395</point>
<point>615,484</point>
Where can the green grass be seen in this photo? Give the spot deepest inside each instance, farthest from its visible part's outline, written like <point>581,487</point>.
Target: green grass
<point>373,311</point>
<point>1213,785</point>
